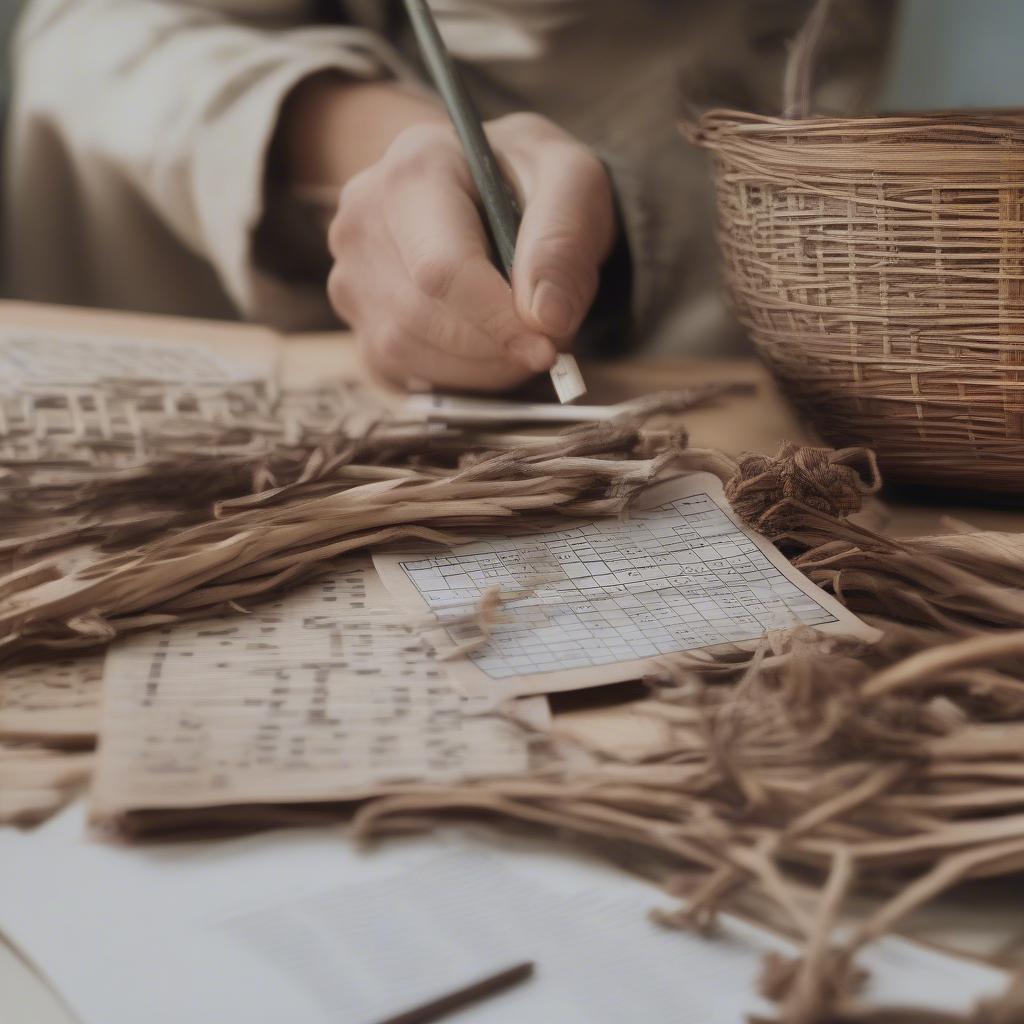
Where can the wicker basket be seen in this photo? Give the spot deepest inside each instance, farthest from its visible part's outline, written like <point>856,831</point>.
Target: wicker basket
<point>878,264</point>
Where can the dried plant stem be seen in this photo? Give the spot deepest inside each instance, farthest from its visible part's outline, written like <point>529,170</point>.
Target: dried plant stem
<point>786,776</point>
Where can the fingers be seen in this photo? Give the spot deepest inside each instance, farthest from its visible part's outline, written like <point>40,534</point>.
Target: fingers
<point>567,233</point>
<point>393,329</point>
<point>395,349</point>
<point>412,273</point>
<point>393,356</point>
<point>466,304</point>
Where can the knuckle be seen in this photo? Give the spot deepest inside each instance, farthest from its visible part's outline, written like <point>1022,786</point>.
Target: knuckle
<point>526,122</point>
<point>354,193</point>
<point>451,336</point>
<point>346,224</point>
<point>338,290</point>
<point>573,163</point>
<point>558,256</point>
<point>501,324</point>
<point>557,249</point>
<point>417,149</point>
<point>588,170</point>
<point>434,274</point>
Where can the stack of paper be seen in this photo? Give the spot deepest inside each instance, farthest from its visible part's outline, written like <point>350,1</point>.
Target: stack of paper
<point>299,926</point>
<point>341,691</point>
<point>332,693</point>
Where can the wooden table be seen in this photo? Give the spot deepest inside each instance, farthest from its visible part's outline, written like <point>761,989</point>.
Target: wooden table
<point>985,921</point>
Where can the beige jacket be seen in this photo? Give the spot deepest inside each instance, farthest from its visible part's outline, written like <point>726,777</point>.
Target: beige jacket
<point>140,129</point>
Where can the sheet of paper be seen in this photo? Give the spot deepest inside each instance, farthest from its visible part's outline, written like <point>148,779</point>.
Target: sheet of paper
<point>298,926</point>
<point>72,402</point>
<point>51,698</point>
<point>457,409</point>
<point>49,711</point>
<point>605,600</point>
<point>323,694</point>
<point>36,781</point>
<point>31,356</point>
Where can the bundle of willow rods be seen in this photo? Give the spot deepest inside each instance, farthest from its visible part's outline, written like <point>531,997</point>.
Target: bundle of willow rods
<point>396,482</point>
<point>792,775</point>
<point>783,778</point>
<point>135,505</point>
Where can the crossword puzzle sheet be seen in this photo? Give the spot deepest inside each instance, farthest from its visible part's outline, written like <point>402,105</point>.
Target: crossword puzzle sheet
<point>321,694</point>
<point>600,602</point>
<point>29,357</point>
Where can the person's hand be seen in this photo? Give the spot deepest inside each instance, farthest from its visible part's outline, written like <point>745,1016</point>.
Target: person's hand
<point>412,269</point>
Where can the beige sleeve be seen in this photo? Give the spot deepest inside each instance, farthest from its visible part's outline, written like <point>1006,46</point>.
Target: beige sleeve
<point>178,102</point>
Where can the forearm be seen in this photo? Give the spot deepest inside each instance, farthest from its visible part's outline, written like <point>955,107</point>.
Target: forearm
<point>332,128</point>
<point>329,129</point>
<point>173,105</point>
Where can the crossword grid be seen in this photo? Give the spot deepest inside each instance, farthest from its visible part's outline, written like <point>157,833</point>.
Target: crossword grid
<point>674,578</point>
<point>316,695</point>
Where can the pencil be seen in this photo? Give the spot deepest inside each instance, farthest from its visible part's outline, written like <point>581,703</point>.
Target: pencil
<point>489,986</point>
<point>500,208</point>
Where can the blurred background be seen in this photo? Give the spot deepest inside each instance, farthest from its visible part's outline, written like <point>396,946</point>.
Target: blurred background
<point>952,53</point>
<point>8,12</point>
<point>946,53</point>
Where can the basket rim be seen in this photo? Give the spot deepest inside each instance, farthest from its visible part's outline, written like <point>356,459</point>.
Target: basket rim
<point>984,126</point>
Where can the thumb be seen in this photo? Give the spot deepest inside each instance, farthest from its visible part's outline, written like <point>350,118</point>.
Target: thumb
<point>567,232</point>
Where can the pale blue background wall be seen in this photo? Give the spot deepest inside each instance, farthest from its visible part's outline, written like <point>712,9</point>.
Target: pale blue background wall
<point>956,53</point>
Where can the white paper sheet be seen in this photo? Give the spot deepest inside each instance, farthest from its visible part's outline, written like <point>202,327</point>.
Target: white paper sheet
<point>457,409</point>
<point>299,927</point>
<point>322,694</point>
<point>606,599</point>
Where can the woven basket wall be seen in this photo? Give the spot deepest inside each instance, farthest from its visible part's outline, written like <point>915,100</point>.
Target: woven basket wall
<point>878,264</point>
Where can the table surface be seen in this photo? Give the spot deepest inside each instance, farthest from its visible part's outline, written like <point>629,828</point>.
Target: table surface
<point>759,420</point>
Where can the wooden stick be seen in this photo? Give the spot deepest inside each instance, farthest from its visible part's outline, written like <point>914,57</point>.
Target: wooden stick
<point>441,1007</point>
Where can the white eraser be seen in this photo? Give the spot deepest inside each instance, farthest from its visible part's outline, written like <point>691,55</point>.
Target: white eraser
<point>568,380</point>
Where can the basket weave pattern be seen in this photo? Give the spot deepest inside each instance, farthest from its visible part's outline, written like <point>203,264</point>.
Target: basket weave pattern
<point>878,264</point>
